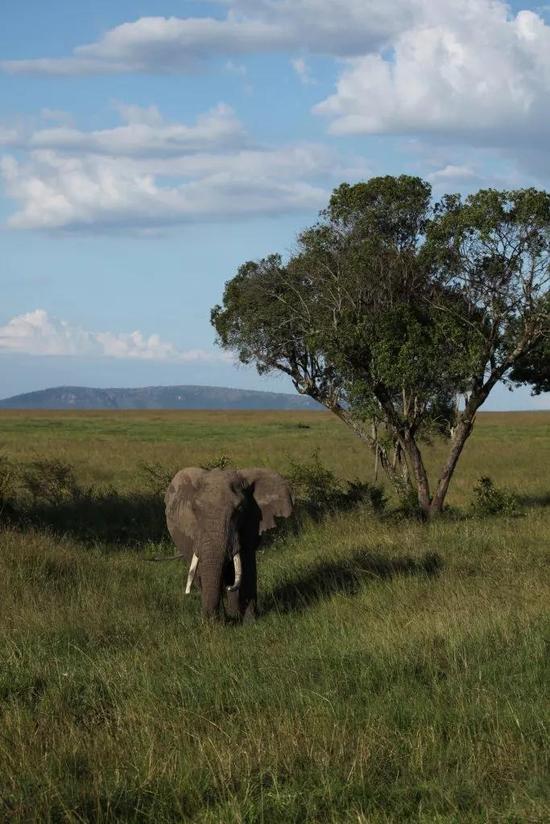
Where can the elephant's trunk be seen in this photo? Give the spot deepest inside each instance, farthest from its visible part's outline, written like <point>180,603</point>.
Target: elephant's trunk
<point>213,551</point>
<point>211,572</point>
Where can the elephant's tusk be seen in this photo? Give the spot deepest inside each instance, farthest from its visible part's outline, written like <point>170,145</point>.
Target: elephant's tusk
<point>192,570</point>
<point>238,573</point>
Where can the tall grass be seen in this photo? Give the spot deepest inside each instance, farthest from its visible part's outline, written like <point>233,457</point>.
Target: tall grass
<point>398,672</point>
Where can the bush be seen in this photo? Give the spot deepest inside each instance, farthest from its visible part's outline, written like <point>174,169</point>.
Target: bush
<point>45,494</point>
<point>157,477</point>
<point>8,482</point>
<point>408,506</point>
<point>313,484</point>
<point>361,492</point>
<point>493,500</point>
<point>220,462</point>
<point>318,490</point>
<point>51,481</point>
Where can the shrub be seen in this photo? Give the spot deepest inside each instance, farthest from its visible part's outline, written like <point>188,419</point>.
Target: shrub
<point>51,481</point>
<point>157,477</point>
<point>408,506</point>
<point>493,500</point>
<point>361,492</point>
<point>220,462</point>
<point>313,484</point>
<point>8,482</point>
<point>318,489</point>
<point>45,494</point>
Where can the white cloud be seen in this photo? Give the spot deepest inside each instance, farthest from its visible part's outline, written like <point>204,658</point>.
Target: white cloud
<point>467,177</point>
<point>146,132</point>
<point>36,333</point>
<point>302,70</point>
<point>453,173</point>
<point>469,70</point>
<point>178,45</point>
<point>95,193</point>
<point>58,116</point>
<point>9,136</point>
<point>339,27</point>
<point>466,69</point>
<point>159,45</point>
<point>235,68</point>
<point>149,173</point>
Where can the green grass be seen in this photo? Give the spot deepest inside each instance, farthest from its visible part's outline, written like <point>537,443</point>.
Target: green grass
<point>398,672</point>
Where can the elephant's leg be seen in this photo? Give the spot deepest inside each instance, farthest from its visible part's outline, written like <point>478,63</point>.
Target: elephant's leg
<point>248,594</point>
<point>232,604</point>
<point>242,602</point>
<point>250,613</point>
<point>231,598</point>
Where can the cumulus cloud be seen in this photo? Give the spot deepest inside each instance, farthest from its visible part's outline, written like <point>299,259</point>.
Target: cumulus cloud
<point>180,44</point>
<point>90,192</point>
<point>467,68</point>
<point>469,176</point>
<point>159,45</point>
<point>149,173</point>
<point>470,69</point>
<point>454,172</point>
<point>340,28</point>
<point>36,333</point>
<point>146,132</point>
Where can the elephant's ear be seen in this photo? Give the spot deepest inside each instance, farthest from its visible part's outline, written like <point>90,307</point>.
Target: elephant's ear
<point>271,493</point>
<point>180,518</point>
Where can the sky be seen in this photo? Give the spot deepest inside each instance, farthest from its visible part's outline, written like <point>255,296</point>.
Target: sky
<point>147,149</point>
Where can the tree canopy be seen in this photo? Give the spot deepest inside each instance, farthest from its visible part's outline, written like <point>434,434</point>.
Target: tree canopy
<point>400,315</point>
<point>534,367</point>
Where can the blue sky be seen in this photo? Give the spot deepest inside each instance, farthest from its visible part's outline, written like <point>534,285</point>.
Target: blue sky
<point>147,149</point>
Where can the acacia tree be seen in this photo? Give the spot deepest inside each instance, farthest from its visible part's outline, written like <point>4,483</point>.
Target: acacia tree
<point>400,316</point>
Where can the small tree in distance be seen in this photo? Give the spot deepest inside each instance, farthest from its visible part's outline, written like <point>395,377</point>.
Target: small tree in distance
<point>401,316</point>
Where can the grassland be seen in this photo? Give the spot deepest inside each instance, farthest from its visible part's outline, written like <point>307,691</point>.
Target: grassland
<point>377,686</point>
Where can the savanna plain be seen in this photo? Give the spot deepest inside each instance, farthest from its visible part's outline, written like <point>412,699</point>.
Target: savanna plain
<point>398,671</point>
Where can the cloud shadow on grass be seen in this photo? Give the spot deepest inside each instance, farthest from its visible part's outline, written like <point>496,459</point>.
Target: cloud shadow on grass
<point>347,577</point>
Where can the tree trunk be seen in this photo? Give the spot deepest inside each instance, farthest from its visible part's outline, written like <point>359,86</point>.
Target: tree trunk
<point>462,433</point>
<point>397,471</point>
<point>420,474</point>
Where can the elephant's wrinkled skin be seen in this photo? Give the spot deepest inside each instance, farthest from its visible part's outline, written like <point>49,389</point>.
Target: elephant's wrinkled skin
<point>216,518</point>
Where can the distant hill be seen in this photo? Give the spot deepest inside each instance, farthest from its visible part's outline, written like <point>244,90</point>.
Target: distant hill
<point>156,397</point>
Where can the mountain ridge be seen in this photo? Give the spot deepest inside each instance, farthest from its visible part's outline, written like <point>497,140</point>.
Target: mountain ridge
<point>156,397</point>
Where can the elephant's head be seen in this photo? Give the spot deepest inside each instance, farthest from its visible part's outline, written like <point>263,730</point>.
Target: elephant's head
<point>216,518</point>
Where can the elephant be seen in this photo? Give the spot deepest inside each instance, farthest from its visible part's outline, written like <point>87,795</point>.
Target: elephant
<point>216,518</point>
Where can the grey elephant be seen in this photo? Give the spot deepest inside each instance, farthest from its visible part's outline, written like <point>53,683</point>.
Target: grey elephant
<point>216,518</point>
